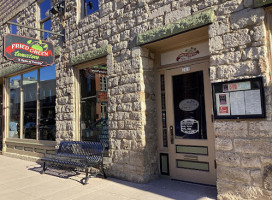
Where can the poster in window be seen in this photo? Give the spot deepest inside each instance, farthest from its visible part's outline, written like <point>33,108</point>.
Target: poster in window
<point>222,102</point>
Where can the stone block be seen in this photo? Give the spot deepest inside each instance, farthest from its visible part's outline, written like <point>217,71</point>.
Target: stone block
<point>177,14</point>
<point>238,38</point>
<point>227,159</point>
<point>256,146</point>
<point>250,192</point>
<point>225,58</point>
<point>246,17</point>
<point>160,11</point>
<point>233,174</point>
<point>224,144</point>
<point>229,7</point>
<point>121,156</point>
<point>266,160</point>
<point>137,158</point>
<point>247,68</point>
<point>254,53</point>
<point>257,178</point>
<point>260,129</point>
<point>268,177</point>
<point>259,32</point>
<point>125,144</point>
<point>224,187</point>
<point>215,44</point>
<point>106,9</point>
<point>250,161</point>
<point>231,129</point>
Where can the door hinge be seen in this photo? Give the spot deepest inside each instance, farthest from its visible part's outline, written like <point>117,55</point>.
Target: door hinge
<point>212,118</point>
<point>215,164</point>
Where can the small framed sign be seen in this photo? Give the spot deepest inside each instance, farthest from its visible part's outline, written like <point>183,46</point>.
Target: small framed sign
<point>29,51</point>
<point>239,99</point>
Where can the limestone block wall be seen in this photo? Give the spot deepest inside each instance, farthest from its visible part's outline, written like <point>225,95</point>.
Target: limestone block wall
<point>238,48</point>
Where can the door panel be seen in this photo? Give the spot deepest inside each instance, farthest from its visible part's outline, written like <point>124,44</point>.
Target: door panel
<point>189,110</point>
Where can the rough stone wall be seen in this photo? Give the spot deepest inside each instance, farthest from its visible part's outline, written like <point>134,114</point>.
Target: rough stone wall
<point>243,147</point>
<point>10,8</point>
<point>238,50</point>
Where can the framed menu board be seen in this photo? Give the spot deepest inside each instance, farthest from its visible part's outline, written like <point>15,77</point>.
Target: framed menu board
<point>239,99</point>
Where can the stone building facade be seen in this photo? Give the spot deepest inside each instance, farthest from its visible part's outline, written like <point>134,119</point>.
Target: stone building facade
<point>131,37</point>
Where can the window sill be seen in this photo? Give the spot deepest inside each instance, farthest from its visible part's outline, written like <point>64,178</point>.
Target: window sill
<point>31,142</point>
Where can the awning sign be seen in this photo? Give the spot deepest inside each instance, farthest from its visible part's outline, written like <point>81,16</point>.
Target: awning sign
<point>28,50</point>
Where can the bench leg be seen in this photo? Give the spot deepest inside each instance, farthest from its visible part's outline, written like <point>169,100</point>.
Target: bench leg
<point>103,171</point>
<point>44,168</point>
<point>87,176</point>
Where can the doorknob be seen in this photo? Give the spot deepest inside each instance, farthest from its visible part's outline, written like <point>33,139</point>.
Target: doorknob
<point>172,134</point>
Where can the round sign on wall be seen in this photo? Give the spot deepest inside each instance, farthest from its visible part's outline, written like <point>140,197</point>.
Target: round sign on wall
<point>188,105</point>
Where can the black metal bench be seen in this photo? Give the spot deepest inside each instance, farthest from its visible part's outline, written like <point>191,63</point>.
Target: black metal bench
<point>78,154</point>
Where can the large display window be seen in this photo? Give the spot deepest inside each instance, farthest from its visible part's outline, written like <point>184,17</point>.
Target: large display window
<point>32,100</point>
<point>93,103</point>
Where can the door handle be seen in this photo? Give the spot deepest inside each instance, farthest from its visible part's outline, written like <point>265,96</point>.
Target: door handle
<point>172,134</point>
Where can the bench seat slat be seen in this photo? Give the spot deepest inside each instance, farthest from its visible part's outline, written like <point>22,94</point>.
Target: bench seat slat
<point>64,162</point>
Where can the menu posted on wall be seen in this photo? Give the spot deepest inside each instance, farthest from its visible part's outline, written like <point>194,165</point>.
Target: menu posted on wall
<point>239,99</point>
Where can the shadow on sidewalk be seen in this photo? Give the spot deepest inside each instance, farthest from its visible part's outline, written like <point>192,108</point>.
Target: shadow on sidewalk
<point>167,188</point>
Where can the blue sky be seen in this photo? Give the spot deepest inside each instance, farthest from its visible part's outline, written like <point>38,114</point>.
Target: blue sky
<point>95,6</point>
<point>46,73</point>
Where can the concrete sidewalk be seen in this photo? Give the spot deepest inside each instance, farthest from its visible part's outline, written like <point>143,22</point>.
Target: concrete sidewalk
<point>22,180</point>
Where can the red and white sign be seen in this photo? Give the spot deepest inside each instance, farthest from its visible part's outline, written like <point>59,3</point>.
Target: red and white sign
<point>102,96</point>
<point>223,109</point>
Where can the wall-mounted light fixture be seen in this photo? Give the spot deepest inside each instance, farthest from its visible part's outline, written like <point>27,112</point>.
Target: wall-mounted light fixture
<point>58,8</point>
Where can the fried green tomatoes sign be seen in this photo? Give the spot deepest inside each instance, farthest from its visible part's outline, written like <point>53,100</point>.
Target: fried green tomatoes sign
<point>28,50</point>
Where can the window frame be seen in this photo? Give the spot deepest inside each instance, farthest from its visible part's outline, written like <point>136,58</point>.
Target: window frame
<point>7,107</point>
<point>268,26</point>
<point>77,94</point>
<point>83,9</point>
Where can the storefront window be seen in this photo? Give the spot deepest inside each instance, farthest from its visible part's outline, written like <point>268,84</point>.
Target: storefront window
<point>43,82</point>
<point>30,104</point>
<point>47,126</point>
<point>14,107</point>
<point>93,101</point>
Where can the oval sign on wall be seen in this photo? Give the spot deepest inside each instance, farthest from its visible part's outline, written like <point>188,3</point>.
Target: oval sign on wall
<point>188,105</point>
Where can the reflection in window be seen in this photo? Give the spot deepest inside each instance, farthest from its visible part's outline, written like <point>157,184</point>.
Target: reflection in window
<point>30,104</point>
<point>14,107</point>
<point>94,118</point>
<point>89,7</point>
<point>47,127</point>
<point>42,82</point>
<point>45,21</point>
<point>13,28</point>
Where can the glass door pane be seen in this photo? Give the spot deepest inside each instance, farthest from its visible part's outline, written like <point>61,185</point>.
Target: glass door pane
<point>14,107</point>
<point>30,104</point>
<point>189,106</point>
